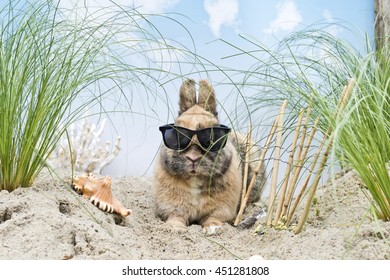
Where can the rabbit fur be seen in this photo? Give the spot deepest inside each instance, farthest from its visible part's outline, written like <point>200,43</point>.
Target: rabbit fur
<point>195,186</point>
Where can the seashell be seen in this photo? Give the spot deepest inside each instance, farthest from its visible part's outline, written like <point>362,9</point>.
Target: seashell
<point>98,191</point>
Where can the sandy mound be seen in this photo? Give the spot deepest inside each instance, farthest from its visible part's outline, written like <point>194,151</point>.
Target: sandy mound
<point>51,221</point>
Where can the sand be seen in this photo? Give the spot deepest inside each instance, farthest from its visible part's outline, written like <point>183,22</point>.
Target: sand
<point>51,221</point>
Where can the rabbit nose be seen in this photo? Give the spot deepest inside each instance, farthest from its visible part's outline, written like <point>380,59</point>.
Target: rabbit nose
<point>192,158</point>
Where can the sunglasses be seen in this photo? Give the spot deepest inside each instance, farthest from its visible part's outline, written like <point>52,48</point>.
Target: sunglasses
<point>211,139</point>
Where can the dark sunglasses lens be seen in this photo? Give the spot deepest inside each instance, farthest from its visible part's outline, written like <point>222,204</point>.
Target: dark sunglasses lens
<point>213,139</point>
<point>176,138</point>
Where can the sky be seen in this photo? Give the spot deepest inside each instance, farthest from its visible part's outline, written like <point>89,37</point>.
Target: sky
<point>211,20</point>
<point>208,22</point>
<point>265,20</point>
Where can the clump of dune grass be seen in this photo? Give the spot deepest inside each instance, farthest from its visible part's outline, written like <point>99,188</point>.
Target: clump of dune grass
<point>363,133</point>
<point>48,60</point>
<point>310,69</point>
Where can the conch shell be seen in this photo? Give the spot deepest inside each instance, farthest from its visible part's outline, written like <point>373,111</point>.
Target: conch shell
<point>98,191</point>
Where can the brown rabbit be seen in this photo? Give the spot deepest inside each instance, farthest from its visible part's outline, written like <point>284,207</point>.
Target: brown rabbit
<point>199,171</point>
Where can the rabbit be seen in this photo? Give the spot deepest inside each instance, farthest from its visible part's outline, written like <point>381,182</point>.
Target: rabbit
<point>196,185</point>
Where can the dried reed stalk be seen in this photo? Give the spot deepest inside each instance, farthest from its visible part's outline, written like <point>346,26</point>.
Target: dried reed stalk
<point>289,167</point>
<point>295,165</point>
<point>275,170</point>
<point>304,185</point>
<point>246,166</point>
<point>258,167</point>
<point>345,95</point>
<point>341,105</point>
<point>304,131</point>
<point>299,167</point>
<point>313,188</point>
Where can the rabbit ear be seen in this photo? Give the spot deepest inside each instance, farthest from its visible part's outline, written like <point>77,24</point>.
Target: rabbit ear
<point>187,95</point>
<point>207,97</point>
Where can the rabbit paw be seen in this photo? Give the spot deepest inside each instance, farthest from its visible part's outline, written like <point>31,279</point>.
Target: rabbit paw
<point>176,224</point>
<point>212,230</point>
<point>212,226</point>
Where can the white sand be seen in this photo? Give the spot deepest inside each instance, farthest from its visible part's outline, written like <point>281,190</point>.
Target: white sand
<point>51,221</point>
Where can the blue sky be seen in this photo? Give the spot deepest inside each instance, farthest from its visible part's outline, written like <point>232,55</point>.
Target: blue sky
<point>210,20</point>
<point>207,21</point>
<point>265,20</point>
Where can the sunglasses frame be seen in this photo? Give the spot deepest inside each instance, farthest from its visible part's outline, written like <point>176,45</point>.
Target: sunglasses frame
<point>191,134</point>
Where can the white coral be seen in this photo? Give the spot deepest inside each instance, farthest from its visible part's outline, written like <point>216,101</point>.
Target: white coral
<point>88,154</point>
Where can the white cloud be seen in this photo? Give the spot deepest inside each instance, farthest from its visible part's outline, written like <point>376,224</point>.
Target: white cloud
<point>98,8</point>
<point>128,43</point>
<point>288,17</point>
<point>332,28</point>
<point>79,10</point>
<point>327,15</point>
<point>221,12</point>
<point>154,6</point>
